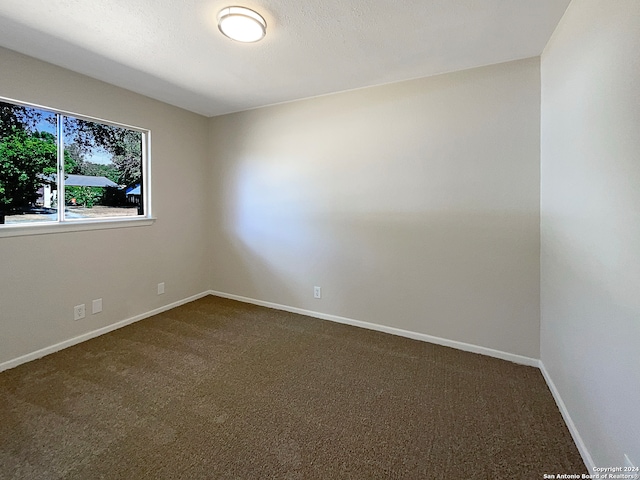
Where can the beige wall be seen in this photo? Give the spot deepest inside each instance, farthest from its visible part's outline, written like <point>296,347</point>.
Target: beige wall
<point>44,276</point>
<point>590,223</point>
<point>413,205</point>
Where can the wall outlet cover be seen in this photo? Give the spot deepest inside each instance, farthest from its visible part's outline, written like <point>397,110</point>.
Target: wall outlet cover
<point>96,306</point>
<point>78,312</point>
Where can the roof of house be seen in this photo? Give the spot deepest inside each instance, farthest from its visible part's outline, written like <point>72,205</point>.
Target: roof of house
<point>134,191</point>
<point>81,181</point>
<point>88,181</point>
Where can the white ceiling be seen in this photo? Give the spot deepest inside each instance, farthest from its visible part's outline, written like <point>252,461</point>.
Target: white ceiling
<point>172,50</point>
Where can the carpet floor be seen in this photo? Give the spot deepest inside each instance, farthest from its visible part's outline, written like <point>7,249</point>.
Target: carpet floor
<point>222,389</point>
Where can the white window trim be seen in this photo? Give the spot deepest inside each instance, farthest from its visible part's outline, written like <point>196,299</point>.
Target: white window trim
<point>65,226</point>
<point>45,228</point>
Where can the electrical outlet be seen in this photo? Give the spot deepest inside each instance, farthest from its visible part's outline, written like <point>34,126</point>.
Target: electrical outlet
<point>96,306</point>
<point>317,292</point>
<point>160,288</point>
<point>78,312</point>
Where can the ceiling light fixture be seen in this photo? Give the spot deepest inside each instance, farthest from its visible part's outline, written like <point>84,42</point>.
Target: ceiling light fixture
<point>242,24</point>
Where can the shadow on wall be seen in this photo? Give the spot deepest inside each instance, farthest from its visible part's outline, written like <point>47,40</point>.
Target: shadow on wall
<point>414,205</point>
<point>239,270</point>
<point>468,276</point>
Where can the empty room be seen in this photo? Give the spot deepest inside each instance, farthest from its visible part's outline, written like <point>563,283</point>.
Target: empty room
<point>320,239</point>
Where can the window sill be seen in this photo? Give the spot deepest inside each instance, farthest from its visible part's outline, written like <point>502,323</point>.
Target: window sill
<point>77,226</point>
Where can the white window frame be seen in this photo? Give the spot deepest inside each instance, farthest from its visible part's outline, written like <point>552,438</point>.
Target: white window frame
<point>62,225</point>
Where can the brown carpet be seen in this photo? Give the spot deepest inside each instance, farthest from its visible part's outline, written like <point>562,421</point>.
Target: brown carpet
<point>222,389</point>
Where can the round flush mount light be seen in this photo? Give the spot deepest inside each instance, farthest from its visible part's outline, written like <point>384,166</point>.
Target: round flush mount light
<point>242,24</point>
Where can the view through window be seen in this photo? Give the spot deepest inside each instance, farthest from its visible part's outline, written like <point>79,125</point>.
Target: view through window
<point>56,167</point>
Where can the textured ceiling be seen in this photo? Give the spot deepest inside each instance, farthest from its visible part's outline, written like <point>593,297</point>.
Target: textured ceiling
<point>171,50</point>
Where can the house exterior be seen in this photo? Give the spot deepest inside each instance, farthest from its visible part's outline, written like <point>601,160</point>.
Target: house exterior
<point>134,194</point>
<point>48,192</point>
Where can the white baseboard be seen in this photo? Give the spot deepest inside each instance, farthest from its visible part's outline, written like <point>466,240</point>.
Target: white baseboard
<point>577,438</point>
<point>467,347</point>
<point>94,333</point>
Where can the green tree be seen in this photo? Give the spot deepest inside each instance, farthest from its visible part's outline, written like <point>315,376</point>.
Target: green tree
<point>99,170</point>
<point>85,196</point>
<point>124,145</point>
<point>25,158</point>
<point>78,165</point>
<point>127,157</point>
<point>76,159</point>
<point>17,117</point>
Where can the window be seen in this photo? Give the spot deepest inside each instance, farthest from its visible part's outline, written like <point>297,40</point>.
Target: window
<point>57,168</point>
